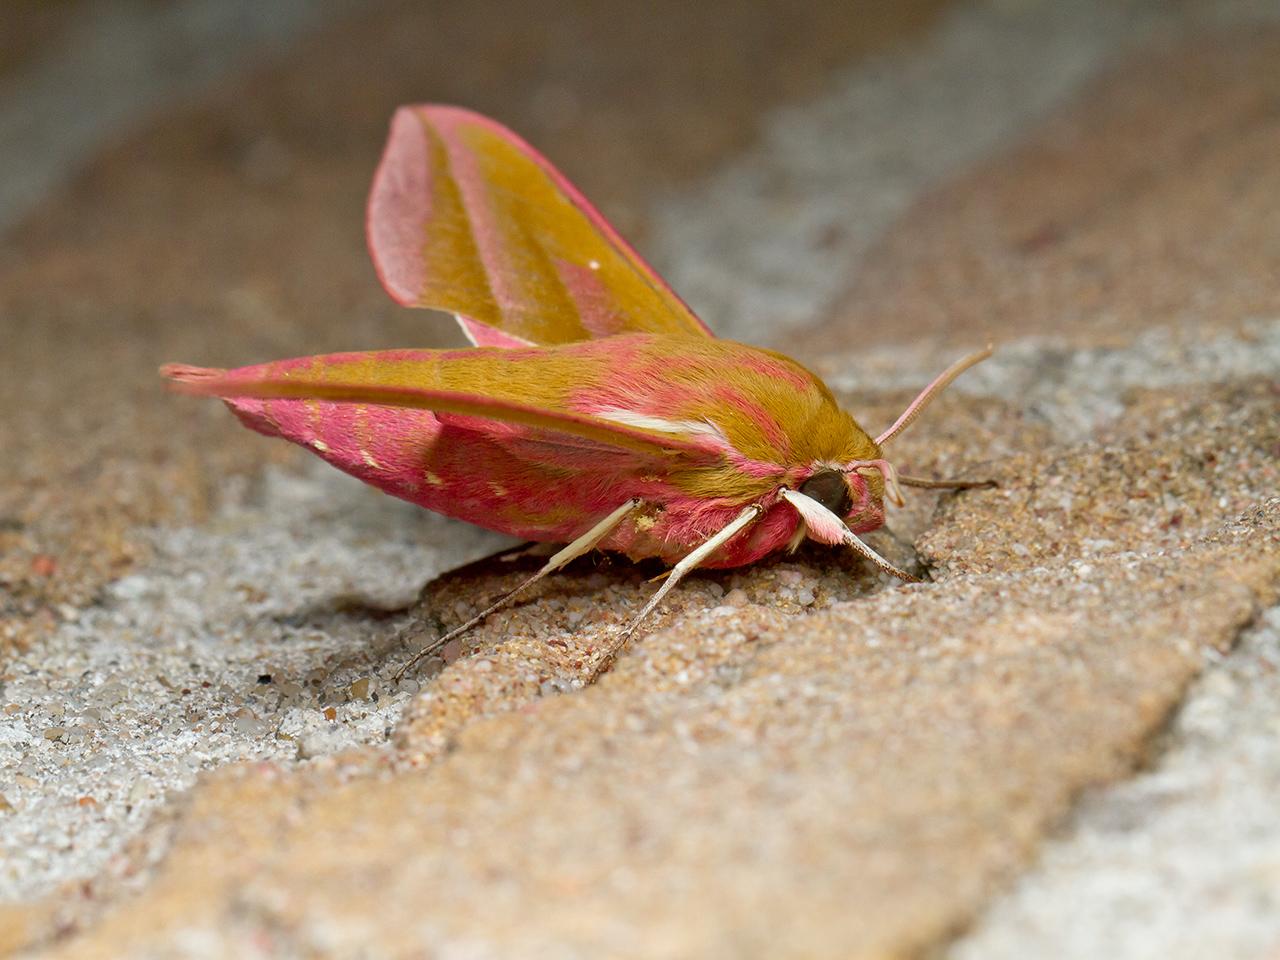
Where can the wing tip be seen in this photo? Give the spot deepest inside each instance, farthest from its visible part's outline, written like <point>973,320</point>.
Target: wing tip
<point>398,208</point>
<point>186,378</point>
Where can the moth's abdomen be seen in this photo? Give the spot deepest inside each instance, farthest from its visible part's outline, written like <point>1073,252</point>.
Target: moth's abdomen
<point>671,530</point>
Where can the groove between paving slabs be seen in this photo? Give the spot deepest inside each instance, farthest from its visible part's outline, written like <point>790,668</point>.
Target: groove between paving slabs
<point>1174,862</point>
<point>791,221</point>
<point>231,646</point>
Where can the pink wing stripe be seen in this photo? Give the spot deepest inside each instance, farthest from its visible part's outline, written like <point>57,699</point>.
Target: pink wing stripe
<point>396,221</point>
<point>500,266</point>
<point>599,314</point>
<point>400,218</point>
<point>399,210</point>
<point>483,335</point>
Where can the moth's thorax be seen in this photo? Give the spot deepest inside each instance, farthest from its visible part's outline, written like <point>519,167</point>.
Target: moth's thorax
<point>767,417</point>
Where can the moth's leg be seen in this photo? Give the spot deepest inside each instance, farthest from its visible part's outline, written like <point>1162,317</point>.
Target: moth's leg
<point>747,517</point>
<point>574,550</point>
<point>853,540</point>
<point>927,484</point>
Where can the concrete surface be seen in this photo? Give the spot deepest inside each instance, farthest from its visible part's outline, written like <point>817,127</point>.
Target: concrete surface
<point>1184,859</point>
<point>201,751</point>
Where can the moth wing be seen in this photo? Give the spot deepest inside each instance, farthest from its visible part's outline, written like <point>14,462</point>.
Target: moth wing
<point>557,448</point>
<point>466,217</point>
<point>535,393</point>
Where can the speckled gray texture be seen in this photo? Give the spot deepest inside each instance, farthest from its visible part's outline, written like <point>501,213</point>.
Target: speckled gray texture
<point>1183,861</point>
<point>1072,388</point>
<point>133,697</point>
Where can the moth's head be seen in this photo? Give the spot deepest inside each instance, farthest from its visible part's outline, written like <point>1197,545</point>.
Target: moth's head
<point>855,492</point>
<point>839,500</point>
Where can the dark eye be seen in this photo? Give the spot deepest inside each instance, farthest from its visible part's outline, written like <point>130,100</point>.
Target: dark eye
<point>830,489</point>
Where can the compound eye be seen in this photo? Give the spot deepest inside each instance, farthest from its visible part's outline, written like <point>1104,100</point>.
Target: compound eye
<point>830,489</point>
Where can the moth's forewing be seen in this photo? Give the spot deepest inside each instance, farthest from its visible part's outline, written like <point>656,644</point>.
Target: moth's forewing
<point>531,387</point>
<point>466,217</point>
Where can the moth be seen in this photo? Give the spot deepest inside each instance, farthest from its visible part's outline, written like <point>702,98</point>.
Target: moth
<point>594,409</point>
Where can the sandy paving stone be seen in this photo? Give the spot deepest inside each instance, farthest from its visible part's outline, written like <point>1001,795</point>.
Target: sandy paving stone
<point>1151,200</point>
<point>1133,857</point>
<point>801,758</point>
<point>758,774</point>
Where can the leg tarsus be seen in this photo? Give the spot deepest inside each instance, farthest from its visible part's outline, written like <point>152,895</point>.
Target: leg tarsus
<point>853,540</point>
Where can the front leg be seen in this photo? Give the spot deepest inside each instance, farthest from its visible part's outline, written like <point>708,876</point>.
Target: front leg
<point>743,520</point>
